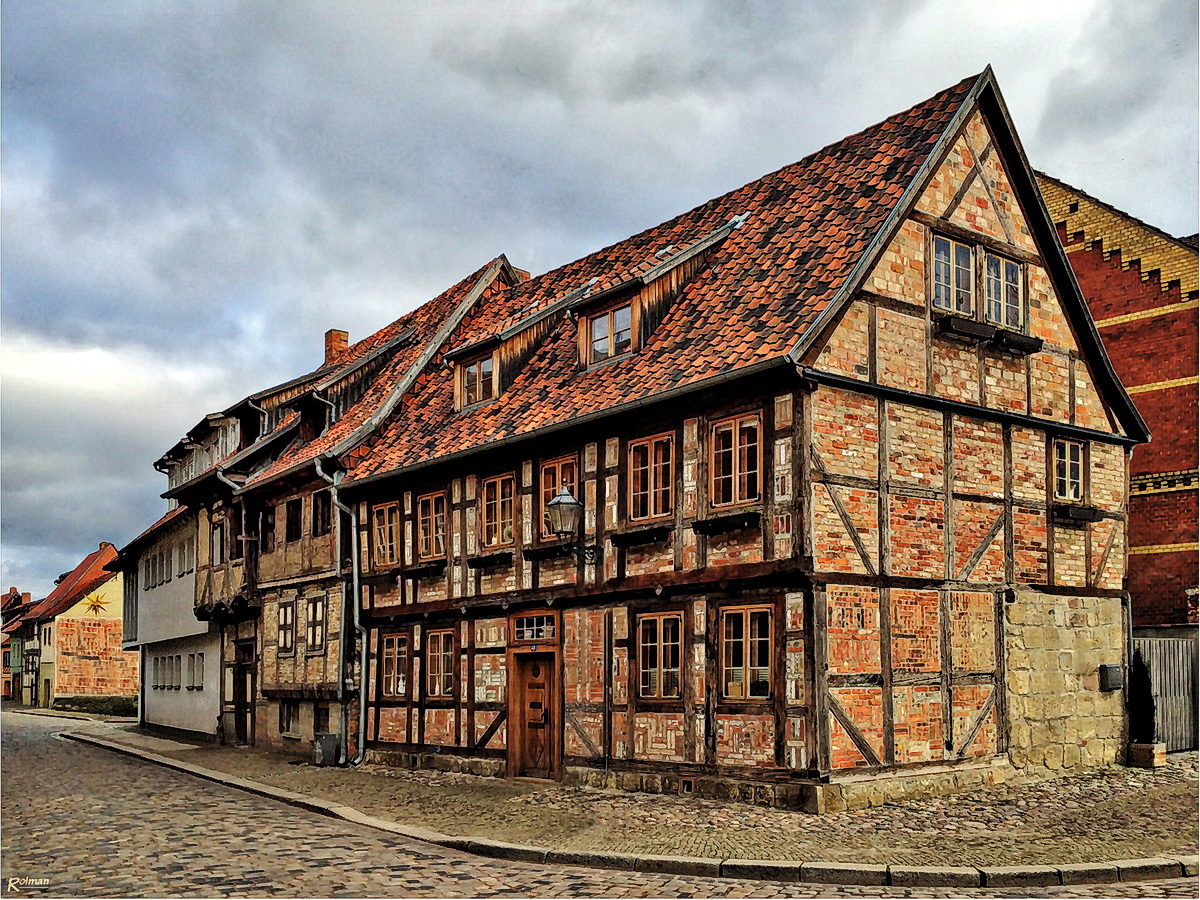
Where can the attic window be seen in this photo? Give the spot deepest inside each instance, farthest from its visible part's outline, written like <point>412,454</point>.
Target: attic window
<point>609,334</point>
<point>1003,282</point>
<point>476,381</point>
<point>953,276</point>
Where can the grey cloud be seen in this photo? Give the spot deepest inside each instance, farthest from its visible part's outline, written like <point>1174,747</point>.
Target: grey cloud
<point>220,183</point>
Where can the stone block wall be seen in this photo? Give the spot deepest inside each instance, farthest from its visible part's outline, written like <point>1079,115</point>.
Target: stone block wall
<point>1058,717</point>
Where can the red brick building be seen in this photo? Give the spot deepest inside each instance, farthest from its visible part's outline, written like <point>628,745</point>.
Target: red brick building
<point>1141,285</point>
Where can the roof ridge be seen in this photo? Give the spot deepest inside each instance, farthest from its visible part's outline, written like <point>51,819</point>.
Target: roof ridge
<point>793,165</point>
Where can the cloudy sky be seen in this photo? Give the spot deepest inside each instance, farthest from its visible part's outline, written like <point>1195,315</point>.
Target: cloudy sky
<point>195,192</point>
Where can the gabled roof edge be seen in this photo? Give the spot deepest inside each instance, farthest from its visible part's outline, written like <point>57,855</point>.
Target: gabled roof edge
<point>1062,276</point>
<point>891,225</point>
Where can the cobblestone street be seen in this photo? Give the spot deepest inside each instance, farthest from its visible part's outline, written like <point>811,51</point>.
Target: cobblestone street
<point>1113,813</point>
<point>93,823</point>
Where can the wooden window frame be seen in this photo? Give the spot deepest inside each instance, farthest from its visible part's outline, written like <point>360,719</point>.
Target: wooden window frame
<point>322,513</point>
<point>495,521</point>
<point>321,719</point>
<point>548,491</point>
<point>293,520</point>
<point>385,533</point>
<point>266,530</point>
<point>738,475</point>
<point>1002,280</point>
<point>653,487</point>
<point>550,634</point>
<point>314,626</point>
<point>285,641</point>
<point>431,537</point>
<point>1065,461</point>
<point>393,685</point>
<point>659,667</point>
<point>955,268</point>
<point>608,314</point>
<point>440,681</point>
<point>289,717</point>
<point>748,650</point>
<point>478,363</point>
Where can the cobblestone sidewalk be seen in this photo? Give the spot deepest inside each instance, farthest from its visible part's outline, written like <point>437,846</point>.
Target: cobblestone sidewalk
<point>1115,813</point>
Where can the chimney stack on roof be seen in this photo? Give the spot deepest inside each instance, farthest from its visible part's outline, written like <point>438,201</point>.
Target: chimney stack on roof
<point>336,343</point>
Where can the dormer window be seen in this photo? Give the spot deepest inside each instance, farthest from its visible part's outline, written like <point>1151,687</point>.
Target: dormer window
<point>476,381</point>
<point>610,334</point>
<point>953,276</point>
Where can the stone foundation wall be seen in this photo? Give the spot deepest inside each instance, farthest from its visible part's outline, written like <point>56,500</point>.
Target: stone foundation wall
<point>1058,717</point>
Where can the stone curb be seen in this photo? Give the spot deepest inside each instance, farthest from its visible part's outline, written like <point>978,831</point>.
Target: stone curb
<point>1111,872</point>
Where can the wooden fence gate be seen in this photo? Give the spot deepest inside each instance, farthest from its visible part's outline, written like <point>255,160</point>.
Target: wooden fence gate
<point>1172,665</point>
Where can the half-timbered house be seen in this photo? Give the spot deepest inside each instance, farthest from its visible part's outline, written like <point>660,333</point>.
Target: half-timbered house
<point>851,461</point>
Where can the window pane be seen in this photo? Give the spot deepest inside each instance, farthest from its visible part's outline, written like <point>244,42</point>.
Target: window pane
<point>995,299</point>
<point>622,335</point>
<point>662,477</point>
<point>735,679</point>
<point>439,525</point>
<point>748,482</point>
<point>639,481</point>
<point>722,464</point>
<point>760,653</point>
<point>471,384</point>
<point>941,273</point>
<point>1012,294</point>
<point>599,338</point>
<point>962,278</point>
<point>485,379</point>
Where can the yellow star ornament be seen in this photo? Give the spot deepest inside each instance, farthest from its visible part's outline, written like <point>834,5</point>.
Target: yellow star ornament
<point>95,605</point>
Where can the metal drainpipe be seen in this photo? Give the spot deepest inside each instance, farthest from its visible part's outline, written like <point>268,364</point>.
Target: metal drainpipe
<point>353,602</point>
<point>1127,612</point>
<point>262,418</point>
<point>221,712</point>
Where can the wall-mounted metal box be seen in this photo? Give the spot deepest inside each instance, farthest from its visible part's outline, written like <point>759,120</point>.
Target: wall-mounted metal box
<point>1112,677</point>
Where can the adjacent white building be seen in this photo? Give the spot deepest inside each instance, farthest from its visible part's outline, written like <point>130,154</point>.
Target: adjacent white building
<point>180,655</point>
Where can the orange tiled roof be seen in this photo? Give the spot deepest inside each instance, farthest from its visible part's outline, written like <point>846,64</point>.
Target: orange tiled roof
<point>807,226</point>
<point>85,577</point>
<point>424,322</point>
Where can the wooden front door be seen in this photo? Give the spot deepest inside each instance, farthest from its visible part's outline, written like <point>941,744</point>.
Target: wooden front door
<point>537,729</point>
<point>243,693</point>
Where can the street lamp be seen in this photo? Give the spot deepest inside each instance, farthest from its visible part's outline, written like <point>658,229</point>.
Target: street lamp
<point>565,514</point>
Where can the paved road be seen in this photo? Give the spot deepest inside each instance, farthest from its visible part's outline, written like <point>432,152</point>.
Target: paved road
<point>96,824</point>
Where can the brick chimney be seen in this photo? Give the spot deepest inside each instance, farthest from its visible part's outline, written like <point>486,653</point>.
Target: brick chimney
<point>336,343</point>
